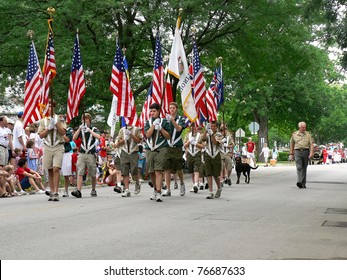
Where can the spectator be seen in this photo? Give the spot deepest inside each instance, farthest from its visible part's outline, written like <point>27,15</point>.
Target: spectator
<point>4,141</point>
<point>251,152</point>
<point>13,181</point>
<point>29,178</point>
<point>266,151</point>
<point>19,134</point>
<point>32,156</point>
<point>66,167</point>
<point>11,153</point>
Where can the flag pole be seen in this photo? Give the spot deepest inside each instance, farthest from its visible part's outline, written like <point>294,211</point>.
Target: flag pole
<point>51,12</point>
<point>219,61</point>
<point>82,101</point>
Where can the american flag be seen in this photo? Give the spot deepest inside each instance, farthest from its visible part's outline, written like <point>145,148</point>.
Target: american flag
<point>158,73</point>
<point>145,110</point>
<point>211,101</point>
<point>77,86</point>
<point>32,92</point>
<point>198,84</point>
<point>120,85</point>
<point>133,120</point>
<point>49,69</point>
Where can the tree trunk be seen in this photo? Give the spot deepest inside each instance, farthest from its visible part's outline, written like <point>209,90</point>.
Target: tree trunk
<point>262,134</point>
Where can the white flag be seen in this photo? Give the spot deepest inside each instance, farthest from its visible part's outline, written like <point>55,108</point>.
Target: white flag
<point>178,67</point>
<point>112,117</point>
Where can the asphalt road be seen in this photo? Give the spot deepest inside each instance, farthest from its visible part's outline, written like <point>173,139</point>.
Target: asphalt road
<point>268,219</point>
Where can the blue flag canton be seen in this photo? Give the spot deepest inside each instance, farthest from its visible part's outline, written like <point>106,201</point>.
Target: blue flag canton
<point>196,60</point>
<point>50,45</point>
<point>158,62</point>
<point>118,59</point>
<point>76,60</point>
<point>32,63</point>
<point>219,86</point>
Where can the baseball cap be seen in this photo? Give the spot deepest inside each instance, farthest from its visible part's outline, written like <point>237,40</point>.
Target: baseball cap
<point>20,113</point>
<point>10,121</point>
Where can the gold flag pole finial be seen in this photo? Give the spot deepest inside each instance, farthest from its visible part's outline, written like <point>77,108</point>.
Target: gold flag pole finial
<point>219,60</point>
<point>194,31</point>
<point>180,12</point>
<point>30,34</point>
<point>51,11</point>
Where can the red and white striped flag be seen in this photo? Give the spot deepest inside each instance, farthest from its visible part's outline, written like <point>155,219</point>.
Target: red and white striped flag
<point>77,86</point>
<point>32,92</point>
<point>120,87</point>
<point>211,101</point>
<point>145,109</point>
<point>158,74</point>
<point>49,70</point>
<point>198,84</point>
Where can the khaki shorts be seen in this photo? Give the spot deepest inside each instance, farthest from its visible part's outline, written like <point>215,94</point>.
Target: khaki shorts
<point>3,156</point>
<point>227,161</point>
<point>117,163</point>
<point>129,163</point>
<point>213,165</point>
<point>155,160</point>
<point>85,161</point>
<point>174,159</point>
<point>194,162</point>
<point>53,156</point>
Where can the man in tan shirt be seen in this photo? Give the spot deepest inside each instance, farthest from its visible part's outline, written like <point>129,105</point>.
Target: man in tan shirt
<point>301,148</point>
<point>53,129</point>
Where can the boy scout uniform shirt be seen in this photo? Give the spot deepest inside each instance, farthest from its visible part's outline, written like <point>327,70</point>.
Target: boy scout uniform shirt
<point>226,150</point>
<point>130,145</point>
<point>193,149</point>
<point>57,137</point>
<point>213,149</point>
<point>159,141</point>
<point>176,136</point>
<point>301,141</point>
<point>88,145</point>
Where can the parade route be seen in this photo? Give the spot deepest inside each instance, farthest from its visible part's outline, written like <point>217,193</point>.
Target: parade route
<point>268,219</point>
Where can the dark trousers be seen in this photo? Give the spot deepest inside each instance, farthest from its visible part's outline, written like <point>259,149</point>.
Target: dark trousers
<point>301,162</point>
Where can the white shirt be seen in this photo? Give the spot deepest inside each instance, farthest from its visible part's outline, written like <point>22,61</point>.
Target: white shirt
<point>37,139</point>
<point>18,131</point>
<point>266,151</point>
<point>4,137</point>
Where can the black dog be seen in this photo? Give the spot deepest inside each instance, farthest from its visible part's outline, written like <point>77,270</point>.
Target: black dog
<point>243,168</point>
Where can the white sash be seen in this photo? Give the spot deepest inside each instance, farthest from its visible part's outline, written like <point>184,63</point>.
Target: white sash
<point>84,143</point>
<point>225,150</point>
<point>173,141</point>
<point>151,145</point>
<point>193,150</point>
<point>211,149</point>
<point>48,139</point>
<point>130,146</point>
